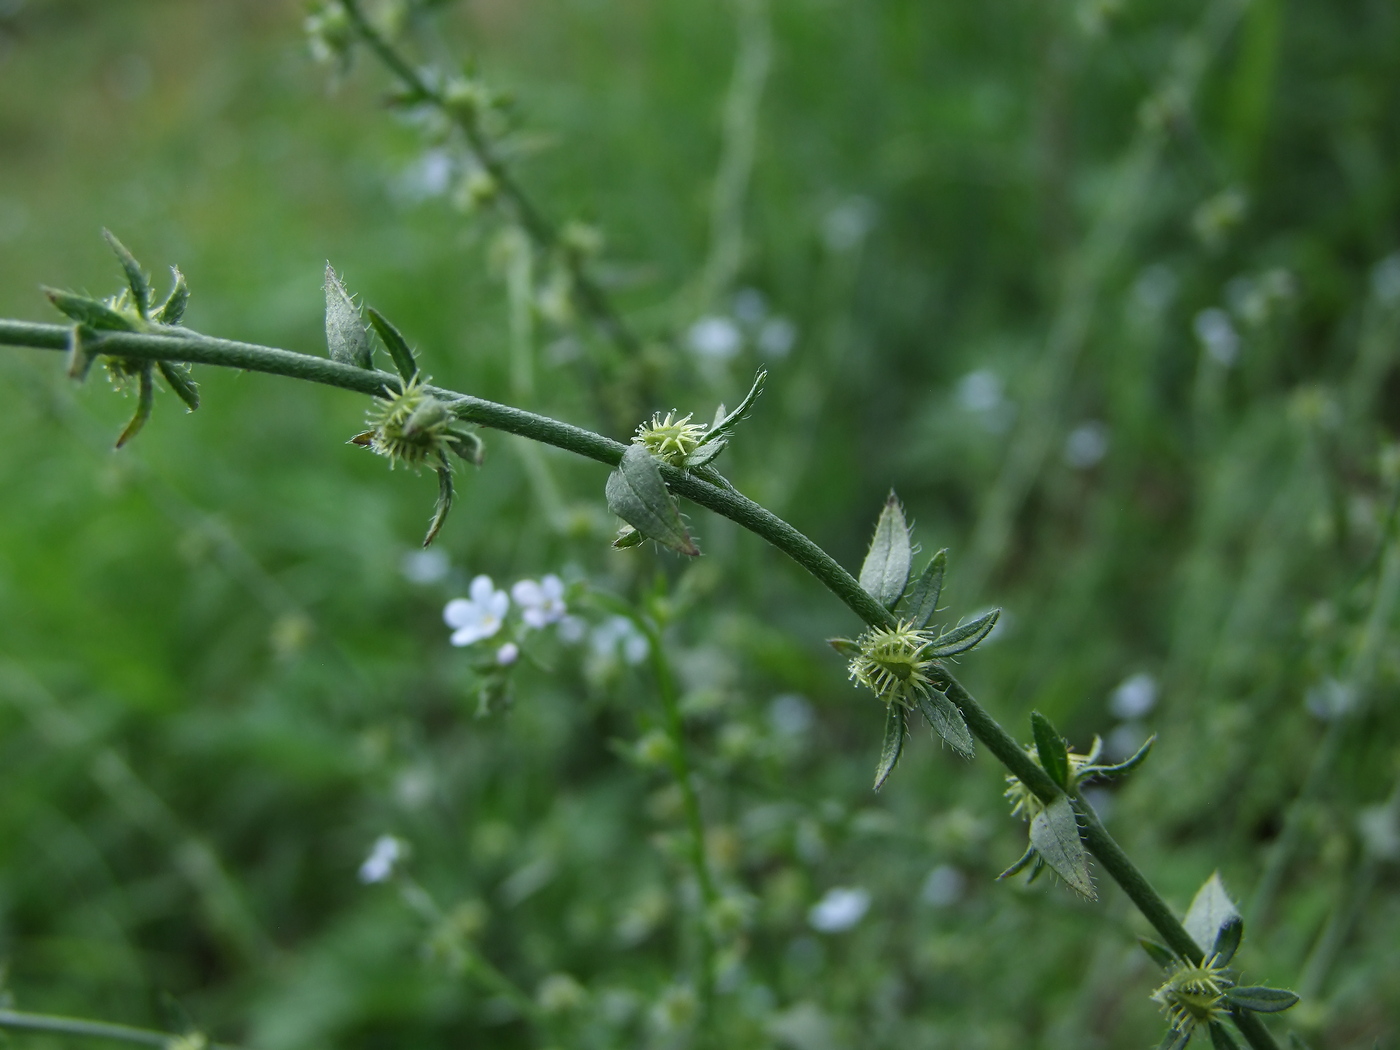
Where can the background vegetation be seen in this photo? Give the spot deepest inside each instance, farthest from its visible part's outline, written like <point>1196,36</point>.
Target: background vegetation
<point>1105,290</point>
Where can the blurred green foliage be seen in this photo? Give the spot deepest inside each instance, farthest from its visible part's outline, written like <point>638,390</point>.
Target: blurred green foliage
<point>1106,291</point>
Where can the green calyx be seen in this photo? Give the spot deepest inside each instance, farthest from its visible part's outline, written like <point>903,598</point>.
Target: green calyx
<point>670,439</point>
<point>412,427</point>
<point>893,662</point>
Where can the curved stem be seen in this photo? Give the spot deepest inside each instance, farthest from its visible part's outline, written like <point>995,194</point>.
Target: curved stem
<point>28,1022</point>
<point>179,345</point>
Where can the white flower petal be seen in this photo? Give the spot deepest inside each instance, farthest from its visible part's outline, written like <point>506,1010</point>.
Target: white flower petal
<point>459,612</point>
<point>481,589</point>
<point>527,592</point>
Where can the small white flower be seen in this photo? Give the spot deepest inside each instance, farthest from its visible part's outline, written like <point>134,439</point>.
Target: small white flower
<point>1086,445</point>
<point>479,616</point>
<point>618,632</point>
<point>379,865</point>
<point>1217,334</point>
<point>428,566</point>
<point>541,604</point>
<point>1135,696</point>
<point>507,654</point>
<point>717,338</point>
<point>839,910</point>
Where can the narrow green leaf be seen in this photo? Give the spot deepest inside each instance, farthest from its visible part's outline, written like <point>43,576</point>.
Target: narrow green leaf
<point>90,312</point>
<point>1220,1037</point>
<point>886,567</point>
<point>1260,999</point>
<point>1210,910</point>
<point>923,599</point>
<point>895,728</point>
<point>177,377</point>
<point>627,538</point>
<point>172,311</point>
<point>395,343</point>
<point>1160,953</point>
<point>1122,768</point>
<point>136,280</point>
<point>145,399</point>
<point>1227,941</point>
<point>844,646</point>
<point>1050,746</point>
<point>444,500</point>
<point>946,720</point>
<point>637,494</point>
<point>1055,836</point>
<point>346,337</point>
<point>961,639</point>
<point>1174,1040</point>
<point>704,453</point>
<point>725,423</point>
<point>1036,869</point>
<point>1020,864</point>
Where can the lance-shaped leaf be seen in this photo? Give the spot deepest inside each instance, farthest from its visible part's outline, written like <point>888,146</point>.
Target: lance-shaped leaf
<point>346,337</point>
<point>1227,941</point>
<point>1055,836</point>
<point>895,727</point>
<point>1220,1037</point>
<point>723,423</point>
<point>844,646</point>
<point>1175,1039</point>
<point>627,538</point>
<point>444,500</point>
<point>467,443</point>
<point>704,453</point>
<point>946,720</point>
<point>1260,999</point>
<point>136,279</point>
<point>177,377</point>
<point>145,399</point>
<point>961,639</point>
<point>172,311</point>
<point>90,312</point>
<point>1050,747</point>
<point>395,343</point>
<point>886,567</point>
<point>922,602</point>
<point>1210,910</point>
<point>1021,863</point>
<point>637,494</point>
<point>1109,772</point>
<point>1160,953</point>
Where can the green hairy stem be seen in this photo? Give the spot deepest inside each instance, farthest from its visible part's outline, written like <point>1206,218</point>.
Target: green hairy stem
<point>183,346</point>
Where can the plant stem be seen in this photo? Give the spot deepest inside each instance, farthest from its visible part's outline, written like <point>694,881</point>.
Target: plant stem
<point>191,347</point>
<point>29,1022</point>
<point>690,801</point>
<point>587,292</point>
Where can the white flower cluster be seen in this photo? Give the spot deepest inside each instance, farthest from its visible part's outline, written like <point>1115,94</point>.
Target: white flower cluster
<point>482,613</point>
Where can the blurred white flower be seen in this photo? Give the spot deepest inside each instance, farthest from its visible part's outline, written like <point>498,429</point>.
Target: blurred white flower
<point>845,226</point>
<point>507,654</point>
<point>980,391</point>
<point>777,337</point>
<point>1217,334</point>
<point>428,566</point>
<point>790,715</point>
<point>1385,279</point>
<point>379,865</point>
<point>1135,696</point>
<point>479,616</point>
<point>541,604</point>
<point>715,337</point>
<point>619,633</point>
<point>1086,445</point>
<point>944,886</point>
<point>839,910</point>
<point>750,307</point>
<point>571,630</point>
